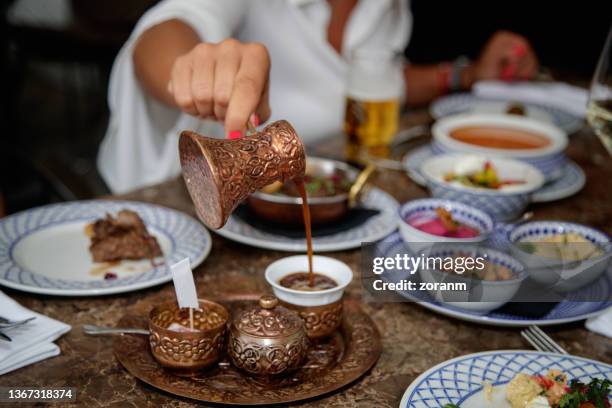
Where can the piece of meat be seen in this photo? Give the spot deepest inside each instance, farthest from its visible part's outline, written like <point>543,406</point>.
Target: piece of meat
<point>123,237</point>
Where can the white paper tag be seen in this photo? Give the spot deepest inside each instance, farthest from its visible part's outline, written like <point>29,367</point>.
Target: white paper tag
<point>184,284</point>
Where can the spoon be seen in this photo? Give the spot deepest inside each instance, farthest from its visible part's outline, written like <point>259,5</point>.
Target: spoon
<point>101,330</point>
<point>512,225</point>
<point>359,183</point>
<point>523,219</point>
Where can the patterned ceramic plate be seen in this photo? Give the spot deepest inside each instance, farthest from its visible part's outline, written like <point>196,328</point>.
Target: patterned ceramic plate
<point>375,228</point>
<point>569,183</point>
<point>460,380</point>
<point>466,102</point>
<point>45,249</point>
<point>568,310</point>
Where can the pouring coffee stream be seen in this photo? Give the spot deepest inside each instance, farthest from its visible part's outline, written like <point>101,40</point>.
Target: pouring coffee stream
<point>221,173</point>
<point>299,182</point>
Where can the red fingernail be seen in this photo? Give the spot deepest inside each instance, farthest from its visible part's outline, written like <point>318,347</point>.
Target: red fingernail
<point>235,134</point>
<point>255,120</point>
<point>508,72</point>
<point>519,49</point>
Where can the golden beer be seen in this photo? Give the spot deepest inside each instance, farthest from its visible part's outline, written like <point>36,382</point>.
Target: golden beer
<point>370,126</point>
<point>374,88</point>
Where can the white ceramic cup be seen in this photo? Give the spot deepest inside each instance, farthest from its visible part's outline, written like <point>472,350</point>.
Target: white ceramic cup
<point>330,267</point>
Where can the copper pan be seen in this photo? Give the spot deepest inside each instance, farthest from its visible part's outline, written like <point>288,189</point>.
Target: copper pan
<point>287,210</point>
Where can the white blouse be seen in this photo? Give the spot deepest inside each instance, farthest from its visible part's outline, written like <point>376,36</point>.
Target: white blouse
<point>307,77</point>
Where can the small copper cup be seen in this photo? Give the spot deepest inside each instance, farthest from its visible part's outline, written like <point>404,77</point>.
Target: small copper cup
<point>187,353</point>
<point>220,173</point>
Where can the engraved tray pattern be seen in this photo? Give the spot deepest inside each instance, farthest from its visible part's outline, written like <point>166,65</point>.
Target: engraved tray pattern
<point>330,364</point>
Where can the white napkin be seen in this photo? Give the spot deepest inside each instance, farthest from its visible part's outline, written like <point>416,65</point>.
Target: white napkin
<point>32,342</point>
<point>568,98</point>
<point>601,324</point>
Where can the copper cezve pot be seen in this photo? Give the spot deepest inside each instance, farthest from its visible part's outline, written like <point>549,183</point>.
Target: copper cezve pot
<point>220,173</point>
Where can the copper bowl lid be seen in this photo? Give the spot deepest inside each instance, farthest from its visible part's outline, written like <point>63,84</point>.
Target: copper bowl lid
<point>269,320</point>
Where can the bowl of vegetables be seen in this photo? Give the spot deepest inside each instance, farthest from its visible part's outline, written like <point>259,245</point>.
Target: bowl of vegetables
<point>327,184</point>
<point>561,255</point>
<point>428,221</point>
<point>501,187</point>
<point>491,279</point>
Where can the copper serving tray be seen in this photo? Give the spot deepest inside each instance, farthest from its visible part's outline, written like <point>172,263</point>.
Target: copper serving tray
<point>330,364</point>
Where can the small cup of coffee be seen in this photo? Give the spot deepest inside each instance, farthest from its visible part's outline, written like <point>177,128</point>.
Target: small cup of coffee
<point>317,300</point>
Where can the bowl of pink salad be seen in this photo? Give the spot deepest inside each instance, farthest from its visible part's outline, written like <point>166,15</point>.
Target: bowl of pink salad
<point>430,220</point>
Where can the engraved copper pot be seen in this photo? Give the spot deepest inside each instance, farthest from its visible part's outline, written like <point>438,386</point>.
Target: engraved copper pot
<point>268,339</point>
<point>186,353</point>
<point>220,173</point>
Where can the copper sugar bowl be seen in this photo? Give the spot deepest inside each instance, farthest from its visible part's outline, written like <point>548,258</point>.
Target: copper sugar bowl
<point>186,353</point>
<point>268,339</point>
<point>221,173</point>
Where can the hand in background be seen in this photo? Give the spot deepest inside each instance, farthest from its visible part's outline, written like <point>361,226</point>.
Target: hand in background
<point>227,81</point>
<point>507,56</point>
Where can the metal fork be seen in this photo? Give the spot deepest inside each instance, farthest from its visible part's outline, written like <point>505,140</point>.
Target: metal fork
<point>541,341</point>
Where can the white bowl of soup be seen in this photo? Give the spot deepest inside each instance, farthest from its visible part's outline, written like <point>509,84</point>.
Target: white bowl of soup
<point>539,144</point>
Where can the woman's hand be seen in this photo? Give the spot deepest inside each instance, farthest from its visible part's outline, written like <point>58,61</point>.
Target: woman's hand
<point>227,81</point>
<point>507,56</point>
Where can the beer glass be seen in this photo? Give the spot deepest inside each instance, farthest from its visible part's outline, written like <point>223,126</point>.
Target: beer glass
<point>374,89</point>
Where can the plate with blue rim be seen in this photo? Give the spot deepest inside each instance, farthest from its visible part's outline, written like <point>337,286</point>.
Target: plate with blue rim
<point>372,230</point>
<point>461,381</point>
<point>466,102</point>
<point>569,183</point>
<point>572,308</point>
<point>46,249</point>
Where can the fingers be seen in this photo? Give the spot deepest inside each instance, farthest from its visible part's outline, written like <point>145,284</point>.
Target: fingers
<point>520,62</point>
<point>507,56</point>
<point>203,79</point>
<point>528,67</point>
<point>263,109</point>
<point>226,69</point>
<point>227,81</point>
<point>250,86</point>
<point>180,85</point>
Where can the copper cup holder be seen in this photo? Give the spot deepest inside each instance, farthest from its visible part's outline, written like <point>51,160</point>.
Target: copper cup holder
<point>319,321</point>
<point>187,353</point>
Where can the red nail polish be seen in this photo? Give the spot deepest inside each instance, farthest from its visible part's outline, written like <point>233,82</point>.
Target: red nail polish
<point>519,49</point>
<point>508,72</point>
<point>255,120</point>
<point>235,134</point>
